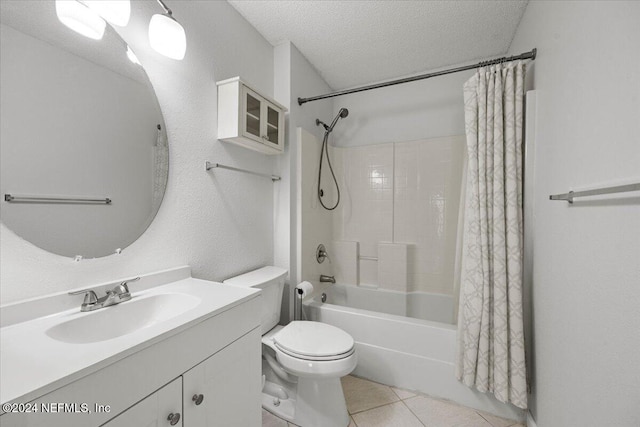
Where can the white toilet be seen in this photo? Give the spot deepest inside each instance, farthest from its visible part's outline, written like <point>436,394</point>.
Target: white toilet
<point>302,362</point>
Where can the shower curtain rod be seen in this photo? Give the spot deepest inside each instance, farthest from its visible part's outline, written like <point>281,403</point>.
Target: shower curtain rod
<point>526,55</point>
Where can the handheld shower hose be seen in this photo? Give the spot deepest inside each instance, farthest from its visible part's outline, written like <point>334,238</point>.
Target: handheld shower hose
<point>325,150</point>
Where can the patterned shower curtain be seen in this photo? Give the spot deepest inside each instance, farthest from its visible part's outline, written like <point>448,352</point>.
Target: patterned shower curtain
<point>491,354</point>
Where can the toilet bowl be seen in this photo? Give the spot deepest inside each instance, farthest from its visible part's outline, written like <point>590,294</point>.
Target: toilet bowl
<point>302,361</point>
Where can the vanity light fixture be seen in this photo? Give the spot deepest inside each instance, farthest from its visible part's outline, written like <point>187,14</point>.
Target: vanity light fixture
<point>132,56</point>
<point>115,12</point>
<point>80,18</point>
<point>166,35</point>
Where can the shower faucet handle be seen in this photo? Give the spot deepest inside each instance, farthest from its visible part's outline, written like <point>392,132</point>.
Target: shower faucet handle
<point>321,254</point>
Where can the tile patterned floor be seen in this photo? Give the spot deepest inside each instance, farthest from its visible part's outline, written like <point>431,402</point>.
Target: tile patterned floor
<point>377,405</point>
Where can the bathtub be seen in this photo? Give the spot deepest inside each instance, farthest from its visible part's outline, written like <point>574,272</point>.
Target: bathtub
<point>406,352</point>
<point>420,305</point>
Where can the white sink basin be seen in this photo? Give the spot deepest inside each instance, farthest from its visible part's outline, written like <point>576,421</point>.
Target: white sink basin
<point>121,319</point>
<point>76,344</point>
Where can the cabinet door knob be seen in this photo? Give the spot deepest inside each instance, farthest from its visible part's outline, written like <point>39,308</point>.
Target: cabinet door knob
<point>198,398</point>
<point>173,418</point>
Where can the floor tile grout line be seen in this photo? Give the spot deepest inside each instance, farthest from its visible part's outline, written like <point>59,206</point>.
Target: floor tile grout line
<point>402,398</point>
<point>490,423</point>
<point>374,407</point>
<point>414,414</point>
<point>481,416</point>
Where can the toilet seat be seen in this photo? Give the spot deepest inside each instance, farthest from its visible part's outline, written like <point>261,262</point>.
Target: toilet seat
<point>323,364</point>
<point>314,341</point>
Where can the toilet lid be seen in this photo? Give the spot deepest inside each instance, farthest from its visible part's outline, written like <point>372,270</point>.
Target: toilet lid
<point>313,339</point>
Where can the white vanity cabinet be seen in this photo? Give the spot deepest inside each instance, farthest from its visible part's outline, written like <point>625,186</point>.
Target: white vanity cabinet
<point>214,357</point>
<point>249,119</point>
<point>223,391</point>
<point>164,407</point>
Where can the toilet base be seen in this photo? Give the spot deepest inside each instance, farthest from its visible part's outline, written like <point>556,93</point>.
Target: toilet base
<point>281,408</point>
<point>313,403</point>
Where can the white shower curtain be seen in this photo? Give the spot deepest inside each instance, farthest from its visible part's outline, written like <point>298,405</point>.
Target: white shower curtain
<point>491,354</point>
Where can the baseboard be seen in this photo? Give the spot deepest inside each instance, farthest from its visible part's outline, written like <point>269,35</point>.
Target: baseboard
<point>530,421</point>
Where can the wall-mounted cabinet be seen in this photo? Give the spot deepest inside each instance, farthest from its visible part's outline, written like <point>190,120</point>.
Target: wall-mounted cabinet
<point>248,118</point>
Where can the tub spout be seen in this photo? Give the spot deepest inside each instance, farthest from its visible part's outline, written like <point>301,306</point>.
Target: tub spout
<point>327,279</point>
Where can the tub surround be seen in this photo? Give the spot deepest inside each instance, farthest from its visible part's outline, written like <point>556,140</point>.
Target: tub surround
<point>401,204</point>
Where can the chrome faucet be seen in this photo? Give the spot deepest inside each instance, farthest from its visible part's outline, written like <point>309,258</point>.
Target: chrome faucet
<point>327,279</point>
<point>113,296</point>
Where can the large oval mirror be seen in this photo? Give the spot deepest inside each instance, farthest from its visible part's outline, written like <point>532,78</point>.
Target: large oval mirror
<point>84,154</point>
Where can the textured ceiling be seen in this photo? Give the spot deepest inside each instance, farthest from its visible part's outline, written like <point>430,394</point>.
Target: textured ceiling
<point>353,42</point>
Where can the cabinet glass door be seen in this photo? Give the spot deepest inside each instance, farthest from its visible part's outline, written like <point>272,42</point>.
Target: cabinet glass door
<point>252,125</point>
<point>273,122</point>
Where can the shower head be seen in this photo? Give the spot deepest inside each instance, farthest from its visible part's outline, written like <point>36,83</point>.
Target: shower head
<point>341,115</point>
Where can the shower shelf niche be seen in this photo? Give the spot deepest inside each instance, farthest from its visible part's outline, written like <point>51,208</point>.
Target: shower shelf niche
<point>249,119</point>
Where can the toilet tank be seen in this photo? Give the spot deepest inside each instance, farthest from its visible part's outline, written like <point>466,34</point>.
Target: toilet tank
<point>271,281</point>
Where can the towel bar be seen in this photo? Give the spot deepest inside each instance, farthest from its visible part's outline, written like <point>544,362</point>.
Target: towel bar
<point>208,165</point>
<point>596,192</point>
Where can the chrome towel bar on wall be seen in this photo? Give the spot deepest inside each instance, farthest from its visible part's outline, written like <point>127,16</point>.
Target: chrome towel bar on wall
<point>595,192</point>
<point>209,165</point>
<point>58,199</point>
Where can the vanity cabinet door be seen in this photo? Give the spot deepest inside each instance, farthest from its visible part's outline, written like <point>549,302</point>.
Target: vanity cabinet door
<point>225,389</point>
<point>162,408</point>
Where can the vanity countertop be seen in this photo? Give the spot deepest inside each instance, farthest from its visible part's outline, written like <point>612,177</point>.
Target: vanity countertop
<point>34,361</point>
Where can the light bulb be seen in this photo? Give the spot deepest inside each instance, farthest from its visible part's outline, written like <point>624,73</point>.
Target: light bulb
<point>167,36</point>
<point>80,19</point>
<point>116,12</point>
<point>132,56</point>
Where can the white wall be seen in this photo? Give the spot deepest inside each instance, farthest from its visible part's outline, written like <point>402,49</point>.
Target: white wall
<point>219,222</point>
<point>295,77</point>
<point>586,257</point>
<point>407,112</point>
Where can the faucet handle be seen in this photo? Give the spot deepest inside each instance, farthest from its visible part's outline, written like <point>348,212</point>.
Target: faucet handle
<point>123,288</point>
<point>90,296</point>
<point>321,254</point>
